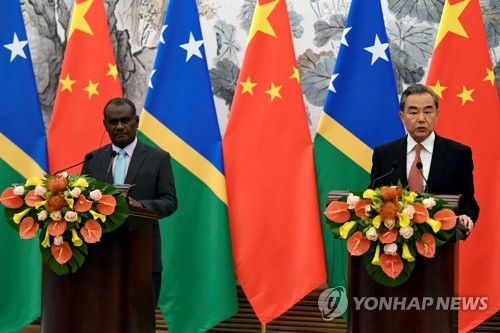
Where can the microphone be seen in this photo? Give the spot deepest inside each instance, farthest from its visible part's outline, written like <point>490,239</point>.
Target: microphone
<point>88,157</point>
<point>393,167</point>
<point>113,155</point>
<point>420,166</point>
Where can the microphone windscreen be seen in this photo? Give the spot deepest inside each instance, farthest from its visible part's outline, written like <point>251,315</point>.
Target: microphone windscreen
<point>89,156</point>
<point>113,154</point>
<point>420,165</point>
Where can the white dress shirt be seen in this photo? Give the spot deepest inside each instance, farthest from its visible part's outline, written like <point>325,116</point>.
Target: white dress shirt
<point>425,154</point>
<point>129,150</point>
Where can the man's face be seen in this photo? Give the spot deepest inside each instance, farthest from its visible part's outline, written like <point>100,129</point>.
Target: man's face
<point>121,124</point>
<point>419,116</point>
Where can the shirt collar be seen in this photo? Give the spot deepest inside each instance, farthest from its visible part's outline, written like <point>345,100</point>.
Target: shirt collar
<point>128,149</point>
<point>427,143</point>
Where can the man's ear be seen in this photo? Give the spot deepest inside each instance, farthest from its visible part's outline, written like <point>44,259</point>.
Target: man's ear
<point>137,120</point>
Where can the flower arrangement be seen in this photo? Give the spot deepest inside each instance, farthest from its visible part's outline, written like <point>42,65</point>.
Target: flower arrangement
<point>388,226</point>
<point>68,212</point>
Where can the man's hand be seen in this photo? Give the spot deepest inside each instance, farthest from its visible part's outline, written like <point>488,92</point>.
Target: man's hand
<point>467,222</point>
<point>134,203</point>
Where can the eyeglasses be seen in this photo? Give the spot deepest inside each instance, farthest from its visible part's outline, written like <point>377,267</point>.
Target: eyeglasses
<point>416,114</point>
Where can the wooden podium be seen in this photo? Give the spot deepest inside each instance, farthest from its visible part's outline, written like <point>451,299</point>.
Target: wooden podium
<point>431,278</point>
<point>112,292</point>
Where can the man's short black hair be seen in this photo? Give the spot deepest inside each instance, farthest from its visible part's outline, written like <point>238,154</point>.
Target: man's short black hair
<point>120,101</point>
<point>417,89</point>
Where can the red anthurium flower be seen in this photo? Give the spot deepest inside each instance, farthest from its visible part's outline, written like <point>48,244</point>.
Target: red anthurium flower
<point>62,253</point>
<point>358,244</point>
<point>57,228</point>
<point>106,205</point>
<point>10,200</point>
<point>388,236</point>
<point>426,246</point>
<point>392,265</point>
<point>82,204</point>
<point>31,198</point>
<point>421,213</point>
<point>447,218</point>
<point>91,231</point>
<point>361,206</point>
<point>338,212</point>
<point>28,228</point>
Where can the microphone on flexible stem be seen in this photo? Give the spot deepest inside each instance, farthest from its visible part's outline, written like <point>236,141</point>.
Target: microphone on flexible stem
<point>420,166</point>
<point>88,157</point>
<point>393,167</point>
<point>113,155</point>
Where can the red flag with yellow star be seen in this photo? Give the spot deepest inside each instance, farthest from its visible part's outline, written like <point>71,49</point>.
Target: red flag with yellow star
<point>461,74</point>
<point>89,78</point>
<point>271,185</point>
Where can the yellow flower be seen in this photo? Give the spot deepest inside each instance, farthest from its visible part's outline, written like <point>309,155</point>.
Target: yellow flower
<point>33,181</point>
<point>75,239</point>
<point>98,216</point>
<point>404,220</point>
<point>40,204</point>
<point>436,225</point>
<point>46,241</point>
<point>410,198</point>
<point>17,217</point>
<point>406,253</point>
<point>344,230</point>
<point>376,257</point>
<point>369,194</point>
<point>70,202</point>
<point>81,182</point>
<point>376,221</point>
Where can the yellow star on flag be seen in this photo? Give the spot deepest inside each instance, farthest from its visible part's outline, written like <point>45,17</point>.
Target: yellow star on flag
<point>295,74</point>
<point>490,77</point>
<point>450,21</point>
<point>466,95</point>
<point>67,83</point>
<point>248,86</point>
<point>438,89</point>
<point>274,91</point>
<point>113,71</point>
<point>78,21</point>
<point>260,20</point>
<point>92,88</point>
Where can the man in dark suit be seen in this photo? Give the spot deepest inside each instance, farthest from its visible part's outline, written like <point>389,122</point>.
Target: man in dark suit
<point>148,168</point>
<point>445,166</point>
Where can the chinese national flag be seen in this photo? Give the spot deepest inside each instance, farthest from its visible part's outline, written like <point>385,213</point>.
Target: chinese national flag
<point>461,74</point>
<point>268,156</point>
<point>89,78</point>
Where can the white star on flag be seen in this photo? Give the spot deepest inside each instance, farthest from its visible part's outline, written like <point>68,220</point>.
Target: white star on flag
<point>161,34</point>
<point>330,86</point>
<point>192,47</point>
<point>343,40</point>
<point>150,84</point>
<point>378,50</point>
<point>16,48</point>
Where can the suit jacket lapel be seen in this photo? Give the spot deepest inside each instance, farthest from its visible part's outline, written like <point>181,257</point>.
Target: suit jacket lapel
<point>400,158</point>
<point>136,161</point>
<point>104,161</point>
<point>438,163</point>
